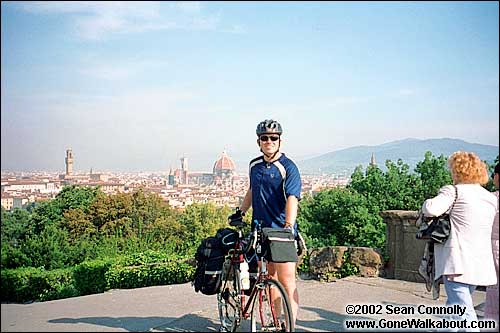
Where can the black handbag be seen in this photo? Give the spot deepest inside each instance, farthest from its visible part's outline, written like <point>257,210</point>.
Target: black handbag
<point>436,228</point>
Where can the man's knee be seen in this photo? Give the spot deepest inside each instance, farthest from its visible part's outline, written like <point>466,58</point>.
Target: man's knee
<point>288,282</point>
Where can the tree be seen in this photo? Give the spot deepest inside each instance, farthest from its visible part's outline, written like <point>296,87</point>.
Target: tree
<point>491,168</point>
<point>16,226</point>
<point>393,189</point>
<point>70,197</point>
<point>50,249</point>
<point>340,217</point>
<point>202,220</point>
<point>78,224</point>
<point>434,174</point>
<point>108,208</point>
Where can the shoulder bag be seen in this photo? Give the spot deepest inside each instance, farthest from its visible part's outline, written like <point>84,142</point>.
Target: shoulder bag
<point>436,228</point>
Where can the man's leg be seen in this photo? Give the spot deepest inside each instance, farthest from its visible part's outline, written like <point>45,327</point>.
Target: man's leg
<point>286,275</point>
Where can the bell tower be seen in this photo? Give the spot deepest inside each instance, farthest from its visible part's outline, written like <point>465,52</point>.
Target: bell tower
<point>184,170</point>
<point>69,162</point>
<point>372,160</point>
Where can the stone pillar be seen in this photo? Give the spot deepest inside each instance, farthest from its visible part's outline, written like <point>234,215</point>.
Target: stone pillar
<point>403,249</point>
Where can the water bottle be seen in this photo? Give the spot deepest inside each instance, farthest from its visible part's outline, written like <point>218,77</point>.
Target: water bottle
<point>244,276</point>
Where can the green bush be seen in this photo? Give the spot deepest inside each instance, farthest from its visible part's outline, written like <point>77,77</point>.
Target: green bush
<point>90,276</point>
<point>149,274</point>
<point>59,292</point>
<point>35,284</point>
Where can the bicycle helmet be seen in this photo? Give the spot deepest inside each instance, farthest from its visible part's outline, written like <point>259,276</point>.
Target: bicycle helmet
<point>269,126</point>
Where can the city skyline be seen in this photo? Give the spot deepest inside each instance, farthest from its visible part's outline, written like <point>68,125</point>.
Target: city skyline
<point>135,86</point>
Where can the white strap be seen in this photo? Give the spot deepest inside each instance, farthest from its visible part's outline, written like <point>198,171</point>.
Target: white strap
<point>279,239</point>
<point>260,160</point>
<point>281,168</point>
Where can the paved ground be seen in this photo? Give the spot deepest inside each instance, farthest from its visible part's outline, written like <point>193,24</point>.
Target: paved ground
<point>177,308</point>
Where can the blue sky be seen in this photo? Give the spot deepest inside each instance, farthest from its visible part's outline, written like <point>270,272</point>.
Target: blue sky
<point>133,86</point>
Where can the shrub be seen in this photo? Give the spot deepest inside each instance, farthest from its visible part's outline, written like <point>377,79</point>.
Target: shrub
<point>90,276</point>
<point>33,284</point>
<point>152,274</point>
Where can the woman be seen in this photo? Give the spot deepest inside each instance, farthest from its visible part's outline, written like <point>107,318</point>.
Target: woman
<point>491,309</point>
<point>465,260</point>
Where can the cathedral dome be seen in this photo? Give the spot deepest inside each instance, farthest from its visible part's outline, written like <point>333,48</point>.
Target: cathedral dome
<point>224,163</point>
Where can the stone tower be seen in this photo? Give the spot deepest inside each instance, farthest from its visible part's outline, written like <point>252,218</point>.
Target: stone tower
<point>69,162</point>
<point>372,160</point>
<point>184,170</point>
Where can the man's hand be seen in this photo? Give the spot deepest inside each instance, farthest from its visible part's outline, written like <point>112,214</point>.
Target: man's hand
<point>236,218</point>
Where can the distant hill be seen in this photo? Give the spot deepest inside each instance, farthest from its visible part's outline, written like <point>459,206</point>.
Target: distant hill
<point>411,151</point>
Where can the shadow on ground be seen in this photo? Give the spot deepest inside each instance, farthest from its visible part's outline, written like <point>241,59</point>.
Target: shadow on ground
<point>187,323</point>
<point>329,321</point>
<point>324,320</point>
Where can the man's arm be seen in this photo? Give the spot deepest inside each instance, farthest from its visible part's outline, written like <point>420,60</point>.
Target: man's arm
<point>247,201</point>
<point>292,206</point>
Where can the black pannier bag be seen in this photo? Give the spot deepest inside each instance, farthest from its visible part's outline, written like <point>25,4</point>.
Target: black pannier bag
<point>279,245</point>
<point>228,238</point>
<point>210,258</point>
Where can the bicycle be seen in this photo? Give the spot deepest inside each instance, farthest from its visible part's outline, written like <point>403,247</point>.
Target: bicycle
<point>268,306</point>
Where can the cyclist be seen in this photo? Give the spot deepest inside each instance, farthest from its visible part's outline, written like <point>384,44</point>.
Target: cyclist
<point>274,193</point>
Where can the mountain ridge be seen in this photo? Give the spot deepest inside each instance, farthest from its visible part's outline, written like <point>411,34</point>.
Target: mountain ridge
<point>409,150</point>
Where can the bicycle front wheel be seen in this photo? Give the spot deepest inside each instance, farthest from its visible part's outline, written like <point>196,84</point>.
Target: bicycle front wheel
<point>271,309</point>
<point>229,300</point>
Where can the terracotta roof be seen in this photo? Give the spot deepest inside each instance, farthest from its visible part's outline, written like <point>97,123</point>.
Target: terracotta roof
<point>224,163</point>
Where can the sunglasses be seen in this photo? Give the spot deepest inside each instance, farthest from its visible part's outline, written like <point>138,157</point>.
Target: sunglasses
<point>267,137</point>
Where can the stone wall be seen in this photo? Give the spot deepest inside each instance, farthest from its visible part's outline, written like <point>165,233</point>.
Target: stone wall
<point>326,263</point>
<point>404,251</point>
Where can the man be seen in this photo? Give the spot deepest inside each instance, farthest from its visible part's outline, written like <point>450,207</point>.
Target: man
<point>274,194</point>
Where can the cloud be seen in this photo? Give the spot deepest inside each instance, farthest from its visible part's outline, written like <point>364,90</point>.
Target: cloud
<point>99,20</point>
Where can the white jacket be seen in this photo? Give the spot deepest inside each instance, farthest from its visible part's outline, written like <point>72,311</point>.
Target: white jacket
<point>467,252</point>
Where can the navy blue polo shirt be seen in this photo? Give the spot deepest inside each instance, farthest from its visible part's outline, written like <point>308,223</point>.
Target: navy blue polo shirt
<point>271,184</point>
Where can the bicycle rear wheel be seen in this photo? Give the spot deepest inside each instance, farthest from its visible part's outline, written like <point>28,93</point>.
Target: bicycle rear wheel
<point>229,300</point>
<point>271,309</point>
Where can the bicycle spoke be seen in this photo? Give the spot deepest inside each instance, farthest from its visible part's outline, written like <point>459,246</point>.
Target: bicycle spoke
<point>229,302</point>
<point>271,311</point>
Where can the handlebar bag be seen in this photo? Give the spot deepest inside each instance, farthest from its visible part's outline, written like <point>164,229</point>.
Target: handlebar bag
<point>279,245</point>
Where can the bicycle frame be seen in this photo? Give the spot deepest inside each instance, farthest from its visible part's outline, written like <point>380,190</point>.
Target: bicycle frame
<point>237,255</point>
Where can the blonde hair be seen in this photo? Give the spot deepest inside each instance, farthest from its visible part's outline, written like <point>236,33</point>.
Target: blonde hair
<point>467,168</point>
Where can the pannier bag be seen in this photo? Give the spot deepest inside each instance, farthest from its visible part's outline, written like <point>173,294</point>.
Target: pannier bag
<point>228,238</point>
<point>210,258</point>
<point>279,245</point>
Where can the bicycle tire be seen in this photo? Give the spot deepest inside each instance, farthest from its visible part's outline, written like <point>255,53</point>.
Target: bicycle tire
<point>263,318</point>
<point>229,300</point>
